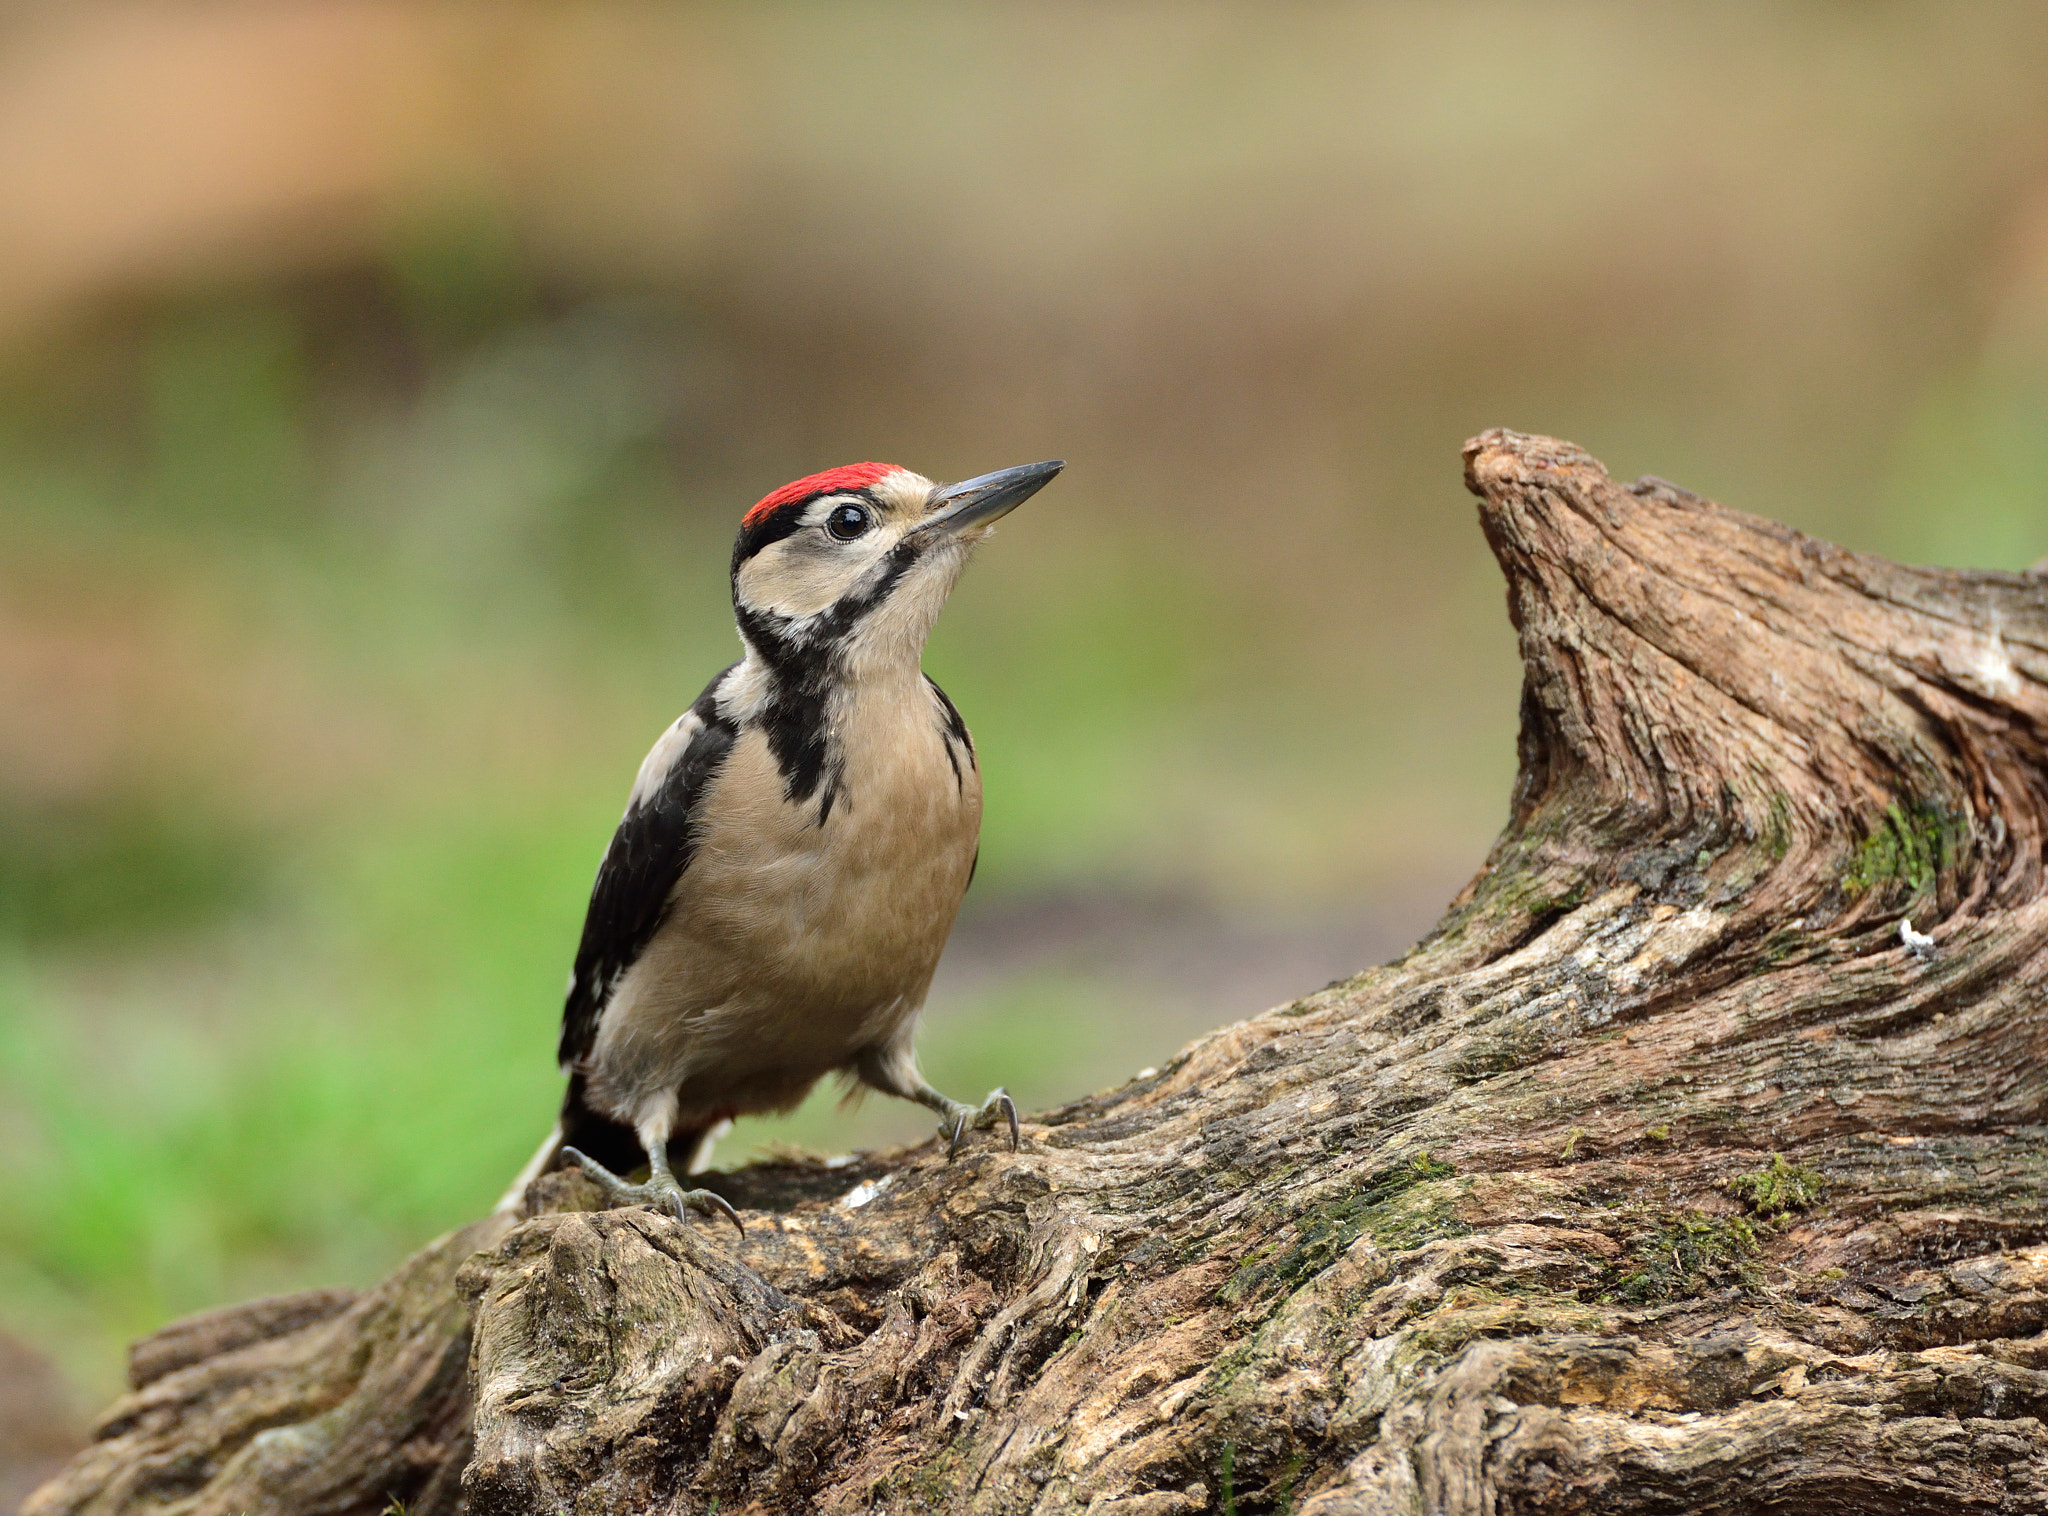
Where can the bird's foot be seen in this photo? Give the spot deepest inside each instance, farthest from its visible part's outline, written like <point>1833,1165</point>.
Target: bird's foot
<point>662,1191</point>
<point>960,1117</point>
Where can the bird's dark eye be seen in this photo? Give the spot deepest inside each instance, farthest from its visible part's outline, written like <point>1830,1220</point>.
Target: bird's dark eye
<point>847,522</point>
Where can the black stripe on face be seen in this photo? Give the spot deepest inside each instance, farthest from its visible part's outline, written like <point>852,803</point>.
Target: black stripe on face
<point>837,621</point>
<point>803,659</point>
<point>773,528</point>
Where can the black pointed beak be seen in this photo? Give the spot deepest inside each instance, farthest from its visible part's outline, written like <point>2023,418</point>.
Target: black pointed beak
<point>977,502</point>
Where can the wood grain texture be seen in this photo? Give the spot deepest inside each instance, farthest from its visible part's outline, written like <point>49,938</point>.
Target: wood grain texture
<point>1662,1177</point>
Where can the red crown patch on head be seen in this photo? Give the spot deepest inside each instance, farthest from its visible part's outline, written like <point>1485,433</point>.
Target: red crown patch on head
<point>849,476</point>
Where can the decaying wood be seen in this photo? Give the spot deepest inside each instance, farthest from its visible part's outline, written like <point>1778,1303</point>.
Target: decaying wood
<point>1664,1176</point>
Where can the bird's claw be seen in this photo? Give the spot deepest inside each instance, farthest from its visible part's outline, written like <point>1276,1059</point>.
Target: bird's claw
<point>662,1191</point>
<point>999,1101</point>
<point>706,1203</point>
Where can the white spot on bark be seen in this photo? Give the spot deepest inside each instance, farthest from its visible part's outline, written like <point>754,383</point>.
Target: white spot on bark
<point>1994,668</point>
<point>867,1190</point>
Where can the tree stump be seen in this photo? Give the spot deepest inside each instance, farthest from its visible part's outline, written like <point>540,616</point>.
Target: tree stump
<point>1695,1162</point>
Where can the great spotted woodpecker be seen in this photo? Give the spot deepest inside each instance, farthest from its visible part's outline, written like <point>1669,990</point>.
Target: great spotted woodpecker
<point>795,848</point>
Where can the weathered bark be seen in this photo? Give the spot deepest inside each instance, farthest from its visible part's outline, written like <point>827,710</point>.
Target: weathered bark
<point>1661,1177</point>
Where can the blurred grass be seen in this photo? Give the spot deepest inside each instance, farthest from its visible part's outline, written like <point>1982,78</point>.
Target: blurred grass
<point>136,866</point>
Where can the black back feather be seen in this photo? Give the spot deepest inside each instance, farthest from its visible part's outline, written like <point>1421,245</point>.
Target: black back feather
<point>632,895</point>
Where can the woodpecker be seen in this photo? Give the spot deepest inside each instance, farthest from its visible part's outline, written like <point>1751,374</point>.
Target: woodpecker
<point>794,849</point>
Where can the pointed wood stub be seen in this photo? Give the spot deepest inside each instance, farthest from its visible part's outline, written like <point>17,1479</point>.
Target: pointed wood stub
<point>1714,695</point>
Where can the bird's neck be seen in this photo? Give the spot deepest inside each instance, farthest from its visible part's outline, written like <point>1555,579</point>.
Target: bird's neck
<point>809,708</point>
<point>847,670</point>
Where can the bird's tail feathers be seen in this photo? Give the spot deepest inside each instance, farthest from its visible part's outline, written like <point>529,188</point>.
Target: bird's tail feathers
<point>537,1165</point>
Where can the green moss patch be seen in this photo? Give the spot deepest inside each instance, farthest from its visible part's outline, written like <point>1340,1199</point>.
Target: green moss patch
<point>1777,833</point>
<point>1910,845</point>
<point>1516,1045</point>
<point>1687,1254</point>
<point>1779,1187</point>
<point>1392,1206</point>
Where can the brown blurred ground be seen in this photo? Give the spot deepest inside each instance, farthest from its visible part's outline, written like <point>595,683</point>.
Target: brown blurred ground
<point>38,1429</point>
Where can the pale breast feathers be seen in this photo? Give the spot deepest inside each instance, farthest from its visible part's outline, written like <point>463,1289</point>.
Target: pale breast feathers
<point>647,855</point>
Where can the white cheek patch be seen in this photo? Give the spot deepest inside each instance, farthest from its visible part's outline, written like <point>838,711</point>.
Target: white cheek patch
<point>805,573</point>
<point>795,577</point>
<point>894,631</point>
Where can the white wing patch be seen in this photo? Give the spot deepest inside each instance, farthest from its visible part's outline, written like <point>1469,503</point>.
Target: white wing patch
<point>666,753</point>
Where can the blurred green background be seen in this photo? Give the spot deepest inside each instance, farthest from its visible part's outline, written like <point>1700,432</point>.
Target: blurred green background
<point>382,383</point>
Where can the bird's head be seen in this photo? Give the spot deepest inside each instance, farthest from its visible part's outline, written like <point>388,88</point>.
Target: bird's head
<point>855,563</point>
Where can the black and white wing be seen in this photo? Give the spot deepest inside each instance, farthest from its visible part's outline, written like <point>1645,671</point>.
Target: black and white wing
<point>648,854</point>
